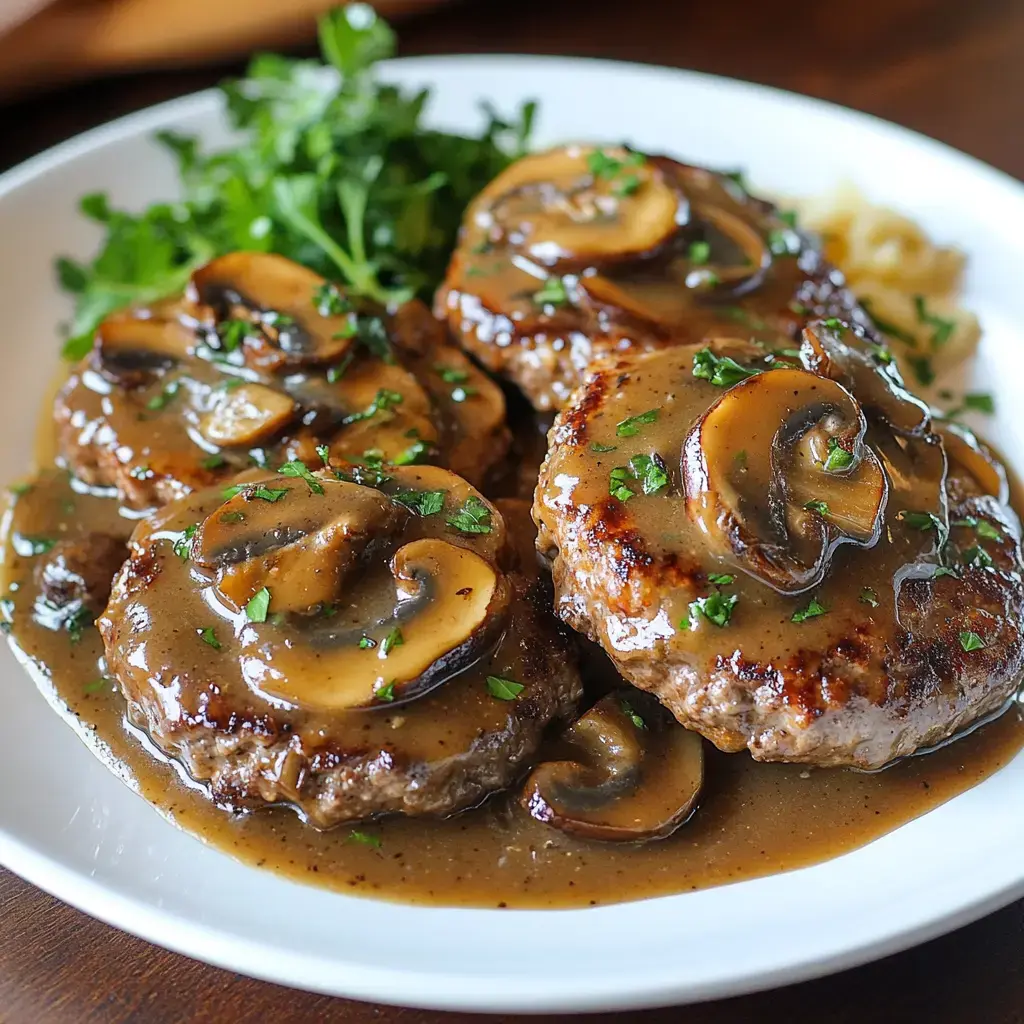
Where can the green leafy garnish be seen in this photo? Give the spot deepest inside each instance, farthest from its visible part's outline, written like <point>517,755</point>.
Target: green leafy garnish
<point>923,369</point>
<point>821,507</point>
<point>868,597</point>
<point>451,375</point>
<point>942,328</point>
<point>925,521</point>
<point>945,570</point>
<point>81,620</point>
<point>383,402</point>
<point>722,371</point>
<point>164,397</point>
<point>887,327</point>
<point>392,640</point>
<point>630,426</point>
<point>473,517</point>
<point>331,168</point>
<point>208,636</point>
<point>27,545</point>
<point>364,838</point>
<point>982,527</point>
<point>259,491</point>
<point>417,452</point>
<point>258,605</point>
<point>971,641</point>
<point>716,608</point>
<point>721,579</point>
<point>618,483</point>
<point>601,449</point>
<point>699,252</point>
<point>649,470</point>
<point>365,643</point>
<point>183,545</point>
<point>19,489</point>
<point>978,557</point>
<point>423,503</point>
<point>386,693</point>
<point>812,611</point>
<point>299,469</point>
<point>552,294</point>
<point>838,457</point>
<point>214,461</point>
<point>503,689</point>
<point>627,710</point>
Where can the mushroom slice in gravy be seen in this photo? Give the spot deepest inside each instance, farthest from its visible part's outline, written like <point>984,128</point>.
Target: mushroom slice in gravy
<point>129,349</point>
<point>291,326</point>
<point>246,416</point>
<point>579,205</point>
<point>804,483</point>
<point>636,775</point>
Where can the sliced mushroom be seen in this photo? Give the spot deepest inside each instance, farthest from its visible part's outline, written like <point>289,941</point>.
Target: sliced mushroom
<point>841,353</point>
<point>247,416</point>
<point>777,475</point>
<point>281,534</point>
<point>281,301</point>
<point>579,205</point>
<point>637,775</point>
<point>129,350</point>
<point>966,453</point>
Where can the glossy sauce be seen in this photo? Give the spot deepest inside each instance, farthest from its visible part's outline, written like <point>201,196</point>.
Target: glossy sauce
<point>754,819</point>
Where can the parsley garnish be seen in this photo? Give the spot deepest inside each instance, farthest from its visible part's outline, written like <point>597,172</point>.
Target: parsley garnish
<point>336,372</point>
<point>923,369</point>
<point>392,640</point>
<point>887,326</point>
<point>298,468</point>
<point>721,579</point>
<point>552,294</point>
<point>416,453</point>
<point>450,375</point>
<point>821,507</point>
<point>838,457</point>
<point>924,521</point>
<point>257,606</point>
<point>231,333</point>
<point>386,693</point>
<point>971,641</point>
<point>473,517</point>
<point>504,689</point>
<point>945,570</point>
<point>942,327</point>
<point>716,608</point>
<point>214,461</point>
<point>260,491</point>
<point>384,401</point>
<point>722,371</point>
<point>978,558</point>
<point>812,611</point>
<point>647,470</point>
<point>630,426</point>
<point>601,449</point>
<point>982,527</point>
<point>36,545</point>
<point>82,619</point>
<point>423,503</point>
<point>699,252</point>
<point>365,643</point>
<point>869,597</point>
<point>329,301</point>
<point>208,636</point>
<point>160,400</point>
<point>364,838</point>
<point>183,545</point>
<point>627,710</point>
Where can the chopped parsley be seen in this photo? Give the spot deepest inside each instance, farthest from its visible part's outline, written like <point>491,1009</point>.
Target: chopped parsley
<point>647,470</point>
<point>34,545</point>
<point>603,165</point>
<point>323,451</point>
<point>19,489</point>
<point>259,491</point>
<point>601,449</point>
<point>978,558</point>
<point>923,521</point>
<point>821,507</point>
<point>630,426</point>
<point>364,838</point>
<point>384,401</point>
<point>81,620</point>
<point>838,457</point>
<point>887,326</point>
<point>716,608</point>
<point>945,570</point>
<point>417,452</point>
<point>451,375</point>
<point>96,685</point>
<point>553,293</point>
<point>868,597</point>
<point>183,545</point>
<point>627,185</point>
<point>473,517</point>
<point>423,503</point>
<point>338,370</point>
<point>699,252</point>
<point>208,636</point>
<point>297,468</point>
<point>970,641</point>
<point>721,579</point>
<point>258,605</point>
<point>366,643</point>
<point>504,689</point>
<point>722,371</point>
<point>982,527</point>
<point>812,611</point>
<point>231,333</point>
<point>329,301</point>
<point>627,710</point>
<point>232,517</point>
<point>214,461</point>
<point>386,693</point>
<point>942,327</point>
<point>618,483</point>
<point>392,640</point>
<point>165,396</point>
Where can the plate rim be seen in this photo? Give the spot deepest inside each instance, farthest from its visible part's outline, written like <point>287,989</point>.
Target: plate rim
<point>431,989</point>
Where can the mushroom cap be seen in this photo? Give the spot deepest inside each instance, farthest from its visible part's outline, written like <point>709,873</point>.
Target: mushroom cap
<point>637,776</point>
<point>806,481</point>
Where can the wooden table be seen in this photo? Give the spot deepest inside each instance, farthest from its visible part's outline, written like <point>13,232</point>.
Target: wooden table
<point>951,69</point>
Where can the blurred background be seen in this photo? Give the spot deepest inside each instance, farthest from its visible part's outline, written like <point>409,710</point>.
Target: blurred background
<point>951,69</point>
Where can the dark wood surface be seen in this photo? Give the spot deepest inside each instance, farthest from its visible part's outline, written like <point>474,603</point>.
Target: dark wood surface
<point>951,69</point>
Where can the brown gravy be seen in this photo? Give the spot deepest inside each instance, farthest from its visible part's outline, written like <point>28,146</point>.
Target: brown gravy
<point>754,819</point>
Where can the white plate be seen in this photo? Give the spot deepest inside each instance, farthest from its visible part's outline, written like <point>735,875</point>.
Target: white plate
<point>68,825</point>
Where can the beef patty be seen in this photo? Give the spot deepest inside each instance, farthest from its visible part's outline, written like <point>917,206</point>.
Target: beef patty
<point>346,649</point>
<point>813,576</point>
<point>261,361</point>
<point>583,252</point>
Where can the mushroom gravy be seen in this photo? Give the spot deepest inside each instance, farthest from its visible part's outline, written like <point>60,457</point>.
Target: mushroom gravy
<point>753,819</point>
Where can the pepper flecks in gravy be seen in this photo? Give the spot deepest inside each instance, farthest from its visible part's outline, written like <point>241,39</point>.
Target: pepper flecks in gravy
<point>753,819</point>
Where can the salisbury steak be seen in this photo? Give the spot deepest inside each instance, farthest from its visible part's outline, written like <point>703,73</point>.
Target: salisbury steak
<point>258,363</point>
<point>814,576</point>
<point>583,252</point>
<point>350,650</point>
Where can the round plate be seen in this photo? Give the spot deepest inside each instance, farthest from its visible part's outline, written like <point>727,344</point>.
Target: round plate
<point>68,825</point>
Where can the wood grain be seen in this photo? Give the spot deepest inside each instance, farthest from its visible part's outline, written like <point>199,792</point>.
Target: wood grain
<point>953,70</point>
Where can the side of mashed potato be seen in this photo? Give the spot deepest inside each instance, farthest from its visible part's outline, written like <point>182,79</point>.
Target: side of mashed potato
<point>909,285</point>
